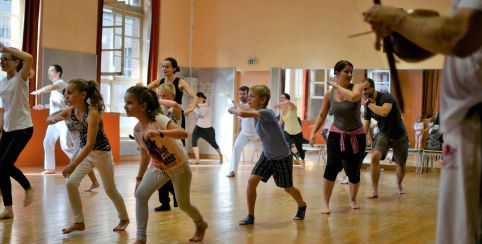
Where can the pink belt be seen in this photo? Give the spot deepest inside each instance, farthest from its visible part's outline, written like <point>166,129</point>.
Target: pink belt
<point>352,134</point>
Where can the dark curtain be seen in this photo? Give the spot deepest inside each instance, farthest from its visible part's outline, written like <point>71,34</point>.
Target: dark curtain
<point>431,92</point>
<point>153,65</point>
<point>98,52</point>
<point>30,38</point>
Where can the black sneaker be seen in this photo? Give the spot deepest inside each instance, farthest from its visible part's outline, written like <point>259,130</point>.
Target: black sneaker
<point>248,220</point>
<point>300,214</point>
<point>163,208</point>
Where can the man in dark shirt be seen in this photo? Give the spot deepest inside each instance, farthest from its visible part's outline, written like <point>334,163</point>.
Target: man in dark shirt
<point>383,108</point>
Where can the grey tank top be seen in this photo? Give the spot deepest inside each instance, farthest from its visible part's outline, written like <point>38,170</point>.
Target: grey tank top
<point>346,114</point>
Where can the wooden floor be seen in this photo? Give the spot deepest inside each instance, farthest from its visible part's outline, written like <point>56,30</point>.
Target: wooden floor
<point>389,219</point>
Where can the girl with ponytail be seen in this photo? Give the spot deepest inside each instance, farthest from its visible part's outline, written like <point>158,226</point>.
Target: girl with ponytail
<point>163,158</point>
<point>85,109</point>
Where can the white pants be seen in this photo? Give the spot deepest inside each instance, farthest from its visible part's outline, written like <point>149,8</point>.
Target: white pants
<point>152,180</point>
<point>459,199</point>
<point>54,132</point>
<point>102,161</point>
<point>239,144</point>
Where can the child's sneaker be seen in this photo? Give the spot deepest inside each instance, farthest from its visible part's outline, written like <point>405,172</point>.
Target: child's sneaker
<point>248,220</point>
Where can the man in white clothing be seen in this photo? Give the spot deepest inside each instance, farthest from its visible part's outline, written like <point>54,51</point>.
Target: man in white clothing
<point>59,129</point>
<point>246,134</point>
<point>458,37</point>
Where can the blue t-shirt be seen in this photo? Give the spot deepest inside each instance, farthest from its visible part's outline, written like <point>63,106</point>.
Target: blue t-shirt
<point>274,144</point>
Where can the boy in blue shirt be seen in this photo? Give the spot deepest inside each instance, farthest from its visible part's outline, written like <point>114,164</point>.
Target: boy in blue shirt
<point>275,160</point>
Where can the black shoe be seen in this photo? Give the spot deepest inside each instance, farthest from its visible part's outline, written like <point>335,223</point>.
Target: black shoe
<point>300,214</point>
<point>162,208</point>
<point>175,204</point>
<point>248,220</point>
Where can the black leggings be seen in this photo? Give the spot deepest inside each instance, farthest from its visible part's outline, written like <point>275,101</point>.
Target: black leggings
<point>207,134</point>
<point>298,140</point>
<point>11,145</point>
<point>346,160</point>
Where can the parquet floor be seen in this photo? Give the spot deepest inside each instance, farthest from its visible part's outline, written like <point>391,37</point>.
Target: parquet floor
<point>389,219</point>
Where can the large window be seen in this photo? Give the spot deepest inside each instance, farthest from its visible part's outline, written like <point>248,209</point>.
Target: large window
<point>11,24</point>
<point>124,54</point>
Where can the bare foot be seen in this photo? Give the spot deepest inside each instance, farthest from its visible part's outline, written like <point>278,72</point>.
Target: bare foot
<point>92,187</point>
<point>325,209</point>
<point>28,197</point>
<point>6,214</point>
<point>401,190</point>
<point>74,227</point>
<point>373,194</point>
<point>199,234</point>
<point>354,205</point>
<point>122,225</point>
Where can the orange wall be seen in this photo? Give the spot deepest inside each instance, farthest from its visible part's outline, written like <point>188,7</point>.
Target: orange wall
<point>69,25</point>
<point>33,154</point>
<point>278,33</point>
<point>251,78</point>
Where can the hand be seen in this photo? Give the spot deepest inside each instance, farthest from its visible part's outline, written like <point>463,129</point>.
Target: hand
<point>187,112</point>
<point>232,110</point>
<point>333,84</point>
<point>52,119</point>
<point>37,92</point>
<point>382,20</point>
<point>68,170</point>
<point>38,107</point>
<point>312,139</point>
<point>152,133</point>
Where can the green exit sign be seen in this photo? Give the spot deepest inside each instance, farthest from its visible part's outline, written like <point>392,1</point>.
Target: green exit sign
<point>252,61</point>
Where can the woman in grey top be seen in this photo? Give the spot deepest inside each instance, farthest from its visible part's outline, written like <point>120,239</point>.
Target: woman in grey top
<point>346,141</point>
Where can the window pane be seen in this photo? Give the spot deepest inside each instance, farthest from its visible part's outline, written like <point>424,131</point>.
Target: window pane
<point>135,3</point>
<point>105,91</point>
<point>133,26</point>
<point>118,41</point>
<point>132,48</point>
<point>131,68</point>
<point>317,89</point>
<point>6,6</point>
<point>107,17</point>
<point>107,38</point>
<point>5,27</point>
<point>111,61</point>
<point>118,19</point>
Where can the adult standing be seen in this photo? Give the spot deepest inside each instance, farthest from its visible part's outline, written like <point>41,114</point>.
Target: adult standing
<point>346,142</point>
<point>392,133</point>
<point>169,70</point>
<point>458,37</point>
<point>204,127</point>
<point>15,122</point>
<point>58,130</point>
<point>292,127</point>
<point>246,133</point>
